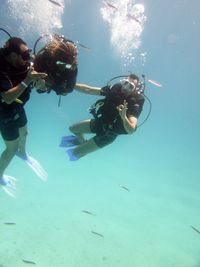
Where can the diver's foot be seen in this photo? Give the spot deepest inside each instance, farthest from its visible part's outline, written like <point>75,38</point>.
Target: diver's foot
<point>69,141</point>
<point>70,153</point>
<point>8,184</point>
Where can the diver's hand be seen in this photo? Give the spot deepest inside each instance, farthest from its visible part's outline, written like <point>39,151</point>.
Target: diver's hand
<point>34,76</point>
<point>40,85</point>
<point>122,109</point>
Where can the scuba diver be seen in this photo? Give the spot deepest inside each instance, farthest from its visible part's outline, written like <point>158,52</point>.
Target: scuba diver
<point>114,115</point>
<point>58,59</point>
<point>16,79</point>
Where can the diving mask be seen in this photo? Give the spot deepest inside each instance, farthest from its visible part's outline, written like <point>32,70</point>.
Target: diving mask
<point>63,66</point>
<point>128,85</point>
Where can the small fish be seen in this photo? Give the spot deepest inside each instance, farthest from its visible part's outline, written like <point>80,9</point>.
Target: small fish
<point>195,229</point>
<point>88,212</point>
<point>10,223</point>
<point>155,83</point>
<point>95,233</point>
<point>109,5</point>
<point>124,187</point>
<point>29,262</point>
<point>55,3</point>
<point>83,46</point>
<point>133,18</point>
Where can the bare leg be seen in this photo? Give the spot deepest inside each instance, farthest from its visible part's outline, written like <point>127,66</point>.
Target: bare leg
<point>23,132</point>
<point>85,148</point>
<point>8,154</point>
<point>80,128</point>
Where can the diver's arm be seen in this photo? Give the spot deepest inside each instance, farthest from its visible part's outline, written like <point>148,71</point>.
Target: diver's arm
<point>129,122</point>
<point>84,88</point>
<point>12,94</point>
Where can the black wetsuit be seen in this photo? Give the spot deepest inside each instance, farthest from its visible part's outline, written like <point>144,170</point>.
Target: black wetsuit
<point>12,116</point>
<point>108,124</point>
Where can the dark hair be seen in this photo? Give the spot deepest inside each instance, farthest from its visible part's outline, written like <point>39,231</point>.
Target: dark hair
<point>134,77</point>
<point>13,45</point>
<point>58,49</point>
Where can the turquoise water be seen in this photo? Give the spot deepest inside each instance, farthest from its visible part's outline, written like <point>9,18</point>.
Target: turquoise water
<point>149,225</point>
